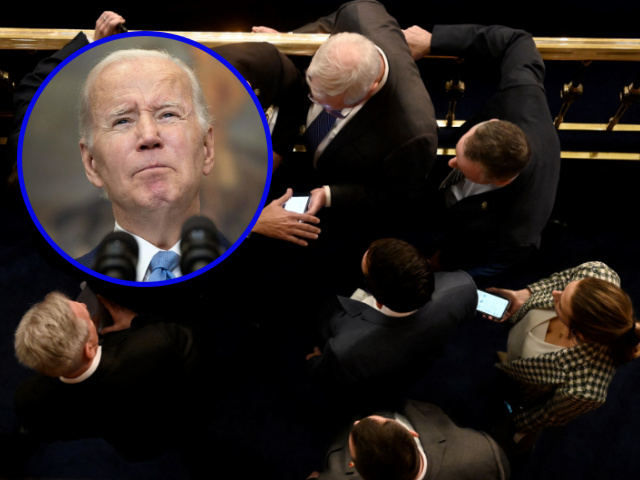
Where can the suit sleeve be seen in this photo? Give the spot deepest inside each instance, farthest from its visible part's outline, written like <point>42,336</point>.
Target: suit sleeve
<point>559,410</point>
<point>484,235</point>
<point>521,63</point>
<point>326,369</point>
<point>402,177</point>
<point>542,289</point>
<point>578,376</point>
<point>29,85</point>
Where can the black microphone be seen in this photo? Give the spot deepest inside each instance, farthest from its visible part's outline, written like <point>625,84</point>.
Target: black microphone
<point>117,256</point>
<point>200,245</point>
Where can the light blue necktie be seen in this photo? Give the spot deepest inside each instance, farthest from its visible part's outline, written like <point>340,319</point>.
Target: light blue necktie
<point>161,265</point>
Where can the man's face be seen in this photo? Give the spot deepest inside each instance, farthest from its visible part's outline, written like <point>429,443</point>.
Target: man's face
<point>472,170</point>
<point>149,150</point>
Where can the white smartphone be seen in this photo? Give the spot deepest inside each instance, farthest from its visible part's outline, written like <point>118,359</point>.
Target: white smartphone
<point>297,204</point>
<point>492,305</point>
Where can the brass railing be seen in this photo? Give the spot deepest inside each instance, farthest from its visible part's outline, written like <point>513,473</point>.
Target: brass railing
<point>611,49</point>
<point>585,50</point>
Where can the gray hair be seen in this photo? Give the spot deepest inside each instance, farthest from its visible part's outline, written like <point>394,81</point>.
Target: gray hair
<point>85,118</point>
<point>50,338</point>
<point>346,63</point>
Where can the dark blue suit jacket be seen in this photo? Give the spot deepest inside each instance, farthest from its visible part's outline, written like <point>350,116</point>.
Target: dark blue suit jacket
<point>376,352</point>
<point>483,228</point>
<point>376,166</point>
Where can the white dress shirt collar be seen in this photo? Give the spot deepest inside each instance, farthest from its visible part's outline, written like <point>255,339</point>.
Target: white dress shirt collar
<point>146,251</point>
<point>371,301</point>
<point>94,366</point>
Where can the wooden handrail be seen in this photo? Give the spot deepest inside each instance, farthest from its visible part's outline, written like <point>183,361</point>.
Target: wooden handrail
<point>582,49</point>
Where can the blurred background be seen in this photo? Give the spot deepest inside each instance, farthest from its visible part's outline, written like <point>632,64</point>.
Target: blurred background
<point>73,212</point>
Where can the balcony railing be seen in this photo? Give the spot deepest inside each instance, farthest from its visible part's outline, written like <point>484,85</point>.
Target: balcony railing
<point>585,50</point>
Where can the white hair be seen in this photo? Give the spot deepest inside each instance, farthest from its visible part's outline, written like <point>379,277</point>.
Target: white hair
<point>346,63</point>
<point>50,338</point>
<point>85,118</point>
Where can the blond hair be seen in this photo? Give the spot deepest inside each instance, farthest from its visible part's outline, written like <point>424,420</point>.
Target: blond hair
<point>50,338</point>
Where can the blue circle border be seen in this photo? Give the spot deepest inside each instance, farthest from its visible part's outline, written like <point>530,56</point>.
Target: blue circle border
<point>265,192</point>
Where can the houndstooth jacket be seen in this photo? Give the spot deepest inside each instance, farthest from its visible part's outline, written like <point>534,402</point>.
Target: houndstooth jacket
<point>576,378</point>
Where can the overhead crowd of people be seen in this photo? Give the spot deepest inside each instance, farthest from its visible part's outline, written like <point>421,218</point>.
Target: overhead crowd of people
<point>383,265</point>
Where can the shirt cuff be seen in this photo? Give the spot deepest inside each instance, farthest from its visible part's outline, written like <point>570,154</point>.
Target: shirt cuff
<point>327,193</point>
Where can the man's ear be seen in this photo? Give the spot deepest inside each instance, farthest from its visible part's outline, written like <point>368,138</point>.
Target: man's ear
<point>90,351</point>
<point>209,153</point>
<point>89,165</point>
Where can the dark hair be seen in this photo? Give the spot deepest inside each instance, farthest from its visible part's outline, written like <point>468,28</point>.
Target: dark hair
<point>501,147</point>
<point>398,275</point>
<point>601,312</point>
<point>384,451</point>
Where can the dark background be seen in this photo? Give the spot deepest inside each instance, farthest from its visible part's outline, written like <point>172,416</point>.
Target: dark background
<point>266,420</point>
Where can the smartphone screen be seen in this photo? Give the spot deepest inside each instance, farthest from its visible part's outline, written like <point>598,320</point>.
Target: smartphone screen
<point>297,204</point>
<point>492,305</point>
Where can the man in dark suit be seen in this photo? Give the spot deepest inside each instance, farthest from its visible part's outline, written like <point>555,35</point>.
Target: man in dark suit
<point>133,384</point>
<point>417,441</point>
<point>384,342</point>
<point>509,152</point>
<point>370,169</point>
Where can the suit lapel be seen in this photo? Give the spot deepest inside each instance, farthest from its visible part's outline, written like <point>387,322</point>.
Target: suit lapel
<point>361,124</point>
<point>427,422</point>
<point>356,308</point>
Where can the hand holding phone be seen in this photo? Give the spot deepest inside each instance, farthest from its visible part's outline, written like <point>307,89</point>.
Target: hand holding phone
<point>297,204</point>
<point>492,306</point>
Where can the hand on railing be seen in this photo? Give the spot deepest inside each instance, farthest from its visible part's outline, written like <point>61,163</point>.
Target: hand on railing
<point>109,23</point>
<point>263,30</point>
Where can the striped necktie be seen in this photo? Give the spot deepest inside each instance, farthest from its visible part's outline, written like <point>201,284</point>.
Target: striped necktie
<point>318,129</point>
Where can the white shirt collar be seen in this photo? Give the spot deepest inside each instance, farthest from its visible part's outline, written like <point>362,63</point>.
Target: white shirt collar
<point>146,251</point>
<point>371,301</point>
<point>466,188</point>
<point>94,365</point>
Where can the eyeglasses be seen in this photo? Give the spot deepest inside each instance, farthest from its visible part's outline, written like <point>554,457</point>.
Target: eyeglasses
<point>328,109</point>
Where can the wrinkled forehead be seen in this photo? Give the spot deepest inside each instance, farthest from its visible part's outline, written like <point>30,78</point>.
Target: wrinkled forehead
<point>142,74</point>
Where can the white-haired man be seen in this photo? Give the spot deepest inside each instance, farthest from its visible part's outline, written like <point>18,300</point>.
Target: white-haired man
<point>365,89</point>
<point>147,140</point>
<point>133,384</point>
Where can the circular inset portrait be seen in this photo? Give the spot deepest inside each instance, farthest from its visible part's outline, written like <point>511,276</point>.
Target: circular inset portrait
<point>145,158</point>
